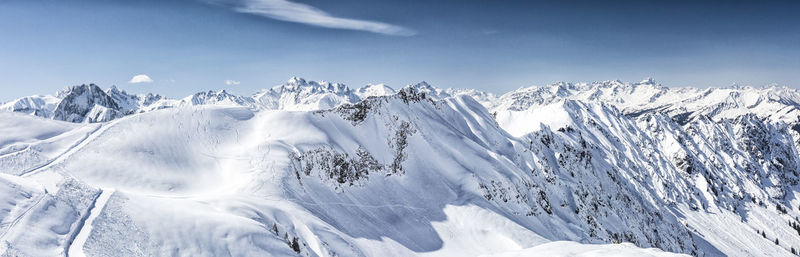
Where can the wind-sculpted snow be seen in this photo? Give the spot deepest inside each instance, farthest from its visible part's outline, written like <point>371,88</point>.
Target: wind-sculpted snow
<point>318,169</point>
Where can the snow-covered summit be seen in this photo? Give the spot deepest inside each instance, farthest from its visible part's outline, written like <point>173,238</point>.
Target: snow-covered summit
<point>647,81</point>
<point>37,105</point>
<point>374,90</point>
<point>133,103</point>
<point>296,84</point>
<point>299,94</point>
<point>220,97</point>
<point>431,91</point>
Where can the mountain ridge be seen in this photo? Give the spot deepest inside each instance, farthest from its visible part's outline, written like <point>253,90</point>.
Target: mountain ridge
<point>303,168</point>
<point>778,103</point>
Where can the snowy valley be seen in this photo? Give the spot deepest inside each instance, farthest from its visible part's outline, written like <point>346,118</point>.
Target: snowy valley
<point>319,169</point>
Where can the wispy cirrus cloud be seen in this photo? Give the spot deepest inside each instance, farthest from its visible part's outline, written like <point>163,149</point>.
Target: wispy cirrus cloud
<point>302,13</point>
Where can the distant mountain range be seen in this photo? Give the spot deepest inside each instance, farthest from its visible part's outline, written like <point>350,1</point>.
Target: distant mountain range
<point>89,103</point>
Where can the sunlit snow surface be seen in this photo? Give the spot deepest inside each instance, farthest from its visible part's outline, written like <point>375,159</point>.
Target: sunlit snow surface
<point>397,175</point>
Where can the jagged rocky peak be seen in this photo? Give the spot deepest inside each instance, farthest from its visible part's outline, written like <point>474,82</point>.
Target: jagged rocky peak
<point>562,88</point>
<point>650,84</point>
<point>617,87</point>
<point>299,94</point>
<point>357,112</point>
<point>86,95</point>
<point>150,98</point>
<point>129,103</point>
<point>430,91</point>
<point>217,97</point>
<point>423,85</point>
<point>648,81</point>
<point>86,103</point>
<point>296,80</point>
<point>211,93</point>
<point>114,90</point>
<point>299,87</point>
<point>300,84</point>
<point>118,93</point>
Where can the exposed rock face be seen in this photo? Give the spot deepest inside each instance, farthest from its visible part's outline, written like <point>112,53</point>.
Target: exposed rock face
<point>87,103</point>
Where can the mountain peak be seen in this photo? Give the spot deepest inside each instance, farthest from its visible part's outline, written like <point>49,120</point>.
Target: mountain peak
<point>84,103</point>
<point>422,84</point>
<point>300,84</point>
<point>374,90</point>
<point>82,88</point>
<point>648,81</point>
<point>296,81</point>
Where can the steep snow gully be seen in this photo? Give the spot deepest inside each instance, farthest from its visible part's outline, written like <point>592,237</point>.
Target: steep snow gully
<point>318,169</point>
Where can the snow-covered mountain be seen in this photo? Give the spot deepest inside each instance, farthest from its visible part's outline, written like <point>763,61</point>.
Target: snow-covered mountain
<point>685,104</point>
<point>374,90</point>
<point>86,103</point>
<point>37,105</point>
<point>296,94</point>
<point>89,103</point>
<point>561,170</point>
<point>301,95</point>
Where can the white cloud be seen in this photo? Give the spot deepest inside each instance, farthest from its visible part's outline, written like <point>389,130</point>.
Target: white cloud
<point>141,78</point>
<point>301,13</point>
<point>232,82</point>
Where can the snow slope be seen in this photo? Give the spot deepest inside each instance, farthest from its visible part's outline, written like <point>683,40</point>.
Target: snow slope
<point>317,169</point>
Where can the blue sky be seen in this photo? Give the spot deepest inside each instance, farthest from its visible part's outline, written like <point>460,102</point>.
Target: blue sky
<point>186,46</point>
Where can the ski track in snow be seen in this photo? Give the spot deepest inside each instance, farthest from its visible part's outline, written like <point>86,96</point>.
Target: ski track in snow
<point>84,229</point>
<point>19,217</point>
<point>16,152</point>
<point>72,149</point>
